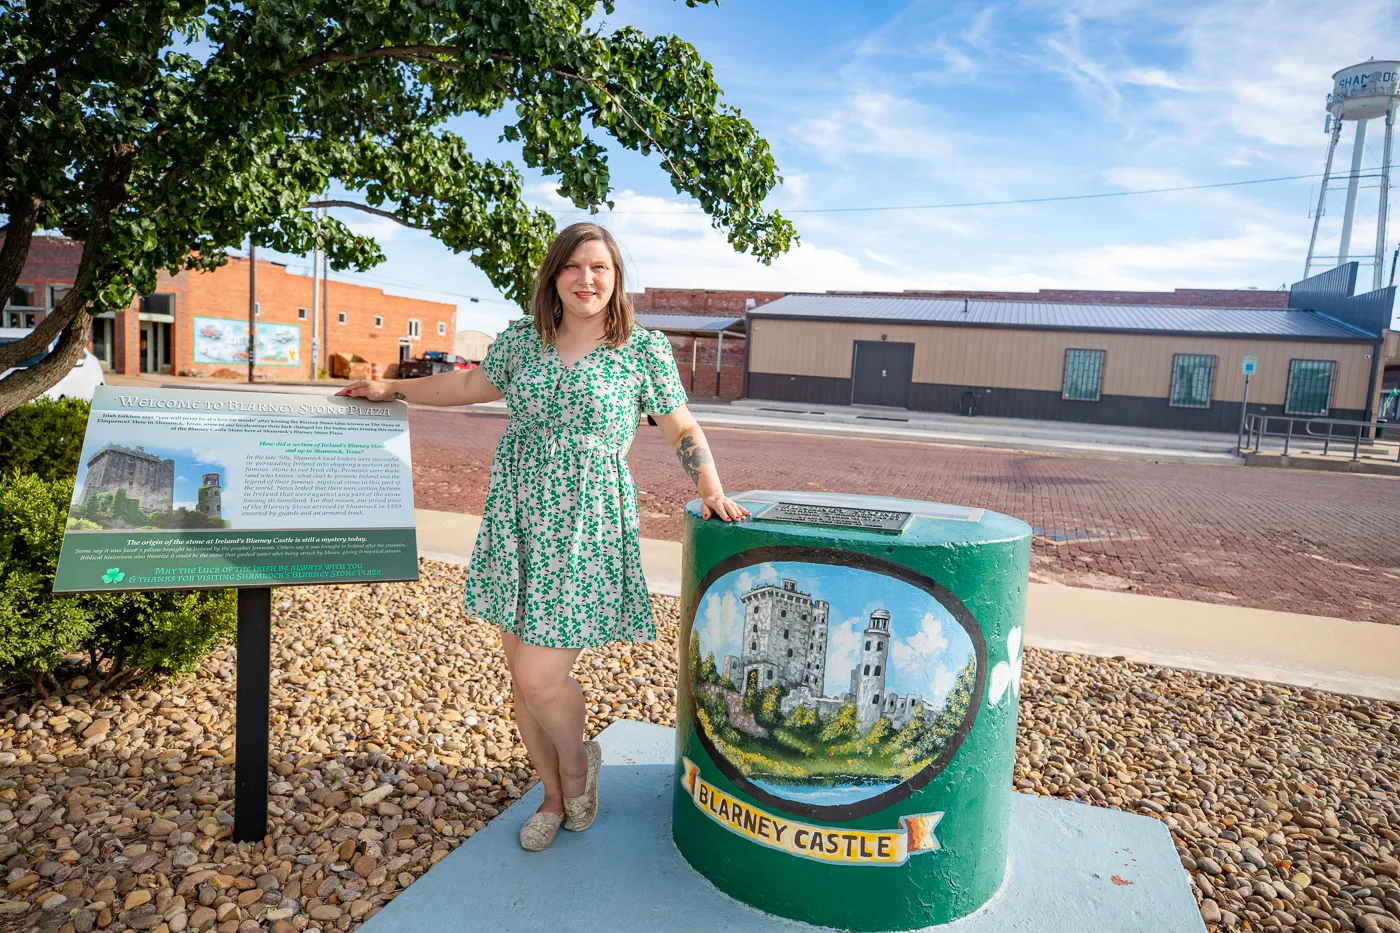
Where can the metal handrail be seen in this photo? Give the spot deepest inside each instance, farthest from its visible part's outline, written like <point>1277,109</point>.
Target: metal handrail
<point>1257,427</point>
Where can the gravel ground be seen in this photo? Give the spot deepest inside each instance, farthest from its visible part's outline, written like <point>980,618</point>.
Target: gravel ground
<point>389,750</point>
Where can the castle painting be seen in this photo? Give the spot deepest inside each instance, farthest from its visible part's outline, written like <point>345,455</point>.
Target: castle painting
<point>826,684</point>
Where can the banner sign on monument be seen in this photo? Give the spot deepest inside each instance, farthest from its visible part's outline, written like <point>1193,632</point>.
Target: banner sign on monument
<point>183,489</point>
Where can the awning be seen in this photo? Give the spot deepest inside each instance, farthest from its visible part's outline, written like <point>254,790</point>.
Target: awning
<point>692,325</point>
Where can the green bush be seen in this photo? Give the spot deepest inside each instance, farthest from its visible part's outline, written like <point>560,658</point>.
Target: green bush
<point>125,636</point>
<point>44,437</point>
<point>36,628</point>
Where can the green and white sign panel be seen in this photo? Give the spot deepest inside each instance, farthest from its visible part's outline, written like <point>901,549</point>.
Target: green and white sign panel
<point>851,668</point>
<point>184,489</point>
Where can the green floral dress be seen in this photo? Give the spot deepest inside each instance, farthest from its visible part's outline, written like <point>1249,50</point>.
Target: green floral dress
<point>558,560</point>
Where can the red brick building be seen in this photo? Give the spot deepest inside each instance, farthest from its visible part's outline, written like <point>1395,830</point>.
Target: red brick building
<point>196,323</point>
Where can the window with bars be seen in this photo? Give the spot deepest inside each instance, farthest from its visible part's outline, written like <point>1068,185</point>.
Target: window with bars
<point>1193,377</point>
<point>1309,387</point>
<point>1083,375</point>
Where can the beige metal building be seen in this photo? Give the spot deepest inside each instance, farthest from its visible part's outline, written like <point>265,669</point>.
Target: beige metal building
<point>1168,367</point>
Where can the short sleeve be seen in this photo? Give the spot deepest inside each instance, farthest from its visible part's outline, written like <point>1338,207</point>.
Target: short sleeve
<point>662,392</point>
<point>500,357</point>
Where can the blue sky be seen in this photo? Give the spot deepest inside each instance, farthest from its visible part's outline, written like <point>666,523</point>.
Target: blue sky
<point>928,646</point>
<point>933,102</point>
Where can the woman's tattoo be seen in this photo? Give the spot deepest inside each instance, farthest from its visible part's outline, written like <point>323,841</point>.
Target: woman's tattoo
<point>400,396</point>
<point>693,457</point>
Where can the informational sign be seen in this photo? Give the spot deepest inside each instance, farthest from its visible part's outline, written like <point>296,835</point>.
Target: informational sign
<point>183,489</point>
<point>219,340</point>
<point>1251,363</point>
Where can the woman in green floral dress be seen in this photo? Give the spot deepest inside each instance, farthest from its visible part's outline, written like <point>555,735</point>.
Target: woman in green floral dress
<point>558,563</point>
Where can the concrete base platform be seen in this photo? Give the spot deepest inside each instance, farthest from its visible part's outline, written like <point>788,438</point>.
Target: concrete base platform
<point>1074,869</point>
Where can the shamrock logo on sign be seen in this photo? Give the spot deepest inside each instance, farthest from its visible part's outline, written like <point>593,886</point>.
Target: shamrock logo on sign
<point>113,575</point>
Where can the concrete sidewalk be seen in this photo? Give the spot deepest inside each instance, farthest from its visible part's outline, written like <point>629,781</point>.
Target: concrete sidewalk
<point>1336,655</point>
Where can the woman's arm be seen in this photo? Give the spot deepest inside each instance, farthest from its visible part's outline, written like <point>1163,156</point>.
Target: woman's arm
<point>684,435</point>
<point>469,387</point>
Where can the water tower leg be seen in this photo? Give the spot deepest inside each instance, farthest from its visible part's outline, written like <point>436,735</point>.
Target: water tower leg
<point>1322,194</point>
<point>1384,206</point>
<point>1353,184</point>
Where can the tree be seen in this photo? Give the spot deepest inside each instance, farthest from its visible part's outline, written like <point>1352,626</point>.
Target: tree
<point>163,133</point>
<point>770,706</point>
<point>844,724</point>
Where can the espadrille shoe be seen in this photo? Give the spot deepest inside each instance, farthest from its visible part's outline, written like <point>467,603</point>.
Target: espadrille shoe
<point>582,810</point>
<point>539,830</point>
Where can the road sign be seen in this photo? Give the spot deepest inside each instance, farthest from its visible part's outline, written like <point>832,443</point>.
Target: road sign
<point>1251,363</point>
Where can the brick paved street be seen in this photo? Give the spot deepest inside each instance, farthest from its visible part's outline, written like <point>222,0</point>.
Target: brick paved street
<point>1317,543</point>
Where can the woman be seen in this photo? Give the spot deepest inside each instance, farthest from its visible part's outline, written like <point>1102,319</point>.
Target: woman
<point>557,563</point>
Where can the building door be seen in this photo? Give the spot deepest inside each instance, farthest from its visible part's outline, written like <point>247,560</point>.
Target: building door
<point>882,373</point>
<point>103,340</point>
<point>155,347</point>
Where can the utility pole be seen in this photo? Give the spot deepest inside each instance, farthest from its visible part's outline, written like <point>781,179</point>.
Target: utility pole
<point>325,309</point>
<point>252,308</point>
<point>315,307</point>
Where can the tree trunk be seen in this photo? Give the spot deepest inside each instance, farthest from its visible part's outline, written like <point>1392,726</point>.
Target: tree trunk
<point>19,232</point>
<point>25,384</point>
<point>111,192</point>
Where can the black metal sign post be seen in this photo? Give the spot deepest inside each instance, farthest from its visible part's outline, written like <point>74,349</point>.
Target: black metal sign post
<point>251,735</point>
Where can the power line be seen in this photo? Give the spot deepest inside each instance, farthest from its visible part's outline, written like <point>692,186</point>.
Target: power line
<point>1010,201</point>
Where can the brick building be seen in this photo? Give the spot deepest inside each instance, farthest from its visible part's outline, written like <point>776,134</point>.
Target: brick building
<point>196,323</point>
<point>738,302</point>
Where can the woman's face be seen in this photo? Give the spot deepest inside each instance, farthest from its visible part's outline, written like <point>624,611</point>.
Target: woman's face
<point>585,284</point>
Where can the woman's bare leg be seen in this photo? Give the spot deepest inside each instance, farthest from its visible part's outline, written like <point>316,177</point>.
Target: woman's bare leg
<point>549,713</point>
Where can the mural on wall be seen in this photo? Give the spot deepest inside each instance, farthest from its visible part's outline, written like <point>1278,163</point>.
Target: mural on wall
<point>831,690</point>
<point>218,340</point>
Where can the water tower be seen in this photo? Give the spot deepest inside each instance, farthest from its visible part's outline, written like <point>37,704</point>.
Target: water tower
<point>1361,93</point>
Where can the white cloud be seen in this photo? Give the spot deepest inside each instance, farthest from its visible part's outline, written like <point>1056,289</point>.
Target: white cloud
<point>842,652</point>
<point>721,617</point>
<point>757,575</point>
<point>921,648</point>
<point>941,685</point>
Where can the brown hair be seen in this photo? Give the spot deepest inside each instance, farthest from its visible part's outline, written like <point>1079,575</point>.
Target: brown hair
<point>545,305</point>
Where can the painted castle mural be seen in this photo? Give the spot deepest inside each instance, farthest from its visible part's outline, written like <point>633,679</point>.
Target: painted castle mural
<point>827,684</point>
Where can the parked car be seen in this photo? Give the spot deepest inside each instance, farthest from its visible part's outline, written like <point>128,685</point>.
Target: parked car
<point>431,363</point>
<point>80,382</point>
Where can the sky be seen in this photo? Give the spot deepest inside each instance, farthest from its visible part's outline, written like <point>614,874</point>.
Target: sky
<point>897,104</point>
<point>927,644</point>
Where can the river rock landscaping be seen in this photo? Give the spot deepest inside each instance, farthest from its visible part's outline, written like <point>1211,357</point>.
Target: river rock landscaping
<point>392,742</point>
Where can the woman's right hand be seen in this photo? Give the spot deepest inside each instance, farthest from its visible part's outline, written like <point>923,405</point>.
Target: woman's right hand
<point>370,389</point>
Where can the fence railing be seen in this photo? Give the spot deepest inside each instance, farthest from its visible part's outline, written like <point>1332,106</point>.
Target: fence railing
<point>1378,439</point>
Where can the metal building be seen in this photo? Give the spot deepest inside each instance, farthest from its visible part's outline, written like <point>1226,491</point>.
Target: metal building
<point>1151,366</point>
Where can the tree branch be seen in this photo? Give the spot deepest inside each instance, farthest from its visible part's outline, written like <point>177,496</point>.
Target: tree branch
<point>24,384</point>
<point>19,233</point>
<point>368,210</point>
<point>111,191</point>
<point>35,66</point>
<point>422,53</point>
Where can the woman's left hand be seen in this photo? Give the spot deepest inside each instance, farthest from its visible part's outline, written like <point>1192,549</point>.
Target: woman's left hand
<point>723,506</point>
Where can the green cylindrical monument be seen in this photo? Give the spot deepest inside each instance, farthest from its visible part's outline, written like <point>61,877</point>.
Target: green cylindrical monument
<point>851,668</point>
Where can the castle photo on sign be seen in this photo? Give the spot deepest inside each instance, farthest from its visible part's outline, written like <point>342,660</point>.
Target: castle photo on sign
<point>133,487</point>
<point>827,684</point>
